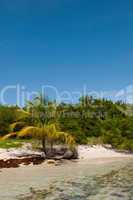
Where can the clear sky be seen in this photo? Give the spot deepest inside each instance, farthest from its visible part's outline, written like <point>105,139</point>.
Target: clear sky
<point>67,44</point>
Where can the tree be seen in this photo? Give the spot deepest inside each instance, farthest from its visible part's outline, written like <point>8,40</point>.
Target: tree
<point>48,134</point>
<point>44,128</point>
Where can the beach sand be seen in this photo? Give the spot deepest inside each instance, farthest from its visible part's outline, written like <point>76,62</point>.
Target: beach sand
<point>99,151</point>
<point>92,160</point>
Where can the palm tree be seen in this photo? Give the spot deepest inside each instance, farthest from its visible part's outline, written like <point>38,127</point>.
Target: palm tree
<point>39,132</point>
<point>44,125</point>
<point>48,134</point>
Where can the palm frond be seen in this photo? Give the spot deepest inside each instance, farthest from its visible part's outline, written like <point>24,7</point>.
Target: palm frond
<point>9,135</point>
<point>29,131</point>
<point>21,114</point>
<point>66,138</point>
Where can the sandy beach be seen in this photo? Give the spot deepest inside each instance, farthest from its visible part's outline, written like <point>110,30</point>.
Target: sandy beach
<point>92,160</point>
<point>99,151</point>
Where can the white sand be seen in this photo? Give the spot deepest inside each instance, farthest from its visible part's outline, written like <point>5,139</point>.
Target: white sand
<point>98,151</point>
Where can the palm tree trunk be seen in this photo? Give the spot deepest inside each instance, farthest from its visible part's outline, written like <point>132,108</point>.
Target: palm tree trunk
<point>44,145</point>
<point>51,146</point>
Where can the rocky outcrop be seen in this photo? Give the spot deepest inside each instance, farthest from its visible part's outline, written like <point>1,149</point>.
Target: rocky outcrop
<point>62,153</point>
<point>70,154</point>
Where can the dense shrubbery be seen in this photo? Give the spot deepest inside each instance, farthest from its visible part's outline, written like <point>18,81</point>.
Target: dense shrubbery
<point>7,116</point>
<point>100,121</point>
<point>90,120</point>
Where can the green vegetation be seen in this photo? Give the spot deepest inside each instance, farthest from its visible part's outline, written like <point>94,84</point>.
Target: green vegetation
<point>90,121</point>
<point>11,143</point>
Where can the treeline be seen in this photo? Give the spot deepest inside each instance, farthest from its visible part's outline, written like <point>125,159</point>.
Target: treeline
<point>88,121</point>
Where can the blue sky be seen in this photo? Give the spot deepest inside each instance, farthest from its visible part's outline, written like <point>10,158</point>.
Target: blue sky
<point>67,44</point>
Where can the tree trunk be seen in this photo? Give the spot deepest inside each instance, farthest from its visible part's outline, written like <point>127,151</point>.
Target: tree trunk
<point>44,145</point>
<point>51,146</point>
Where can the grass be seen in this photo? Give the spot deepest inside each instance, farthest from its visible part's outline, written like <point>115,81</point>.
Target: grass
<point>13,143</point>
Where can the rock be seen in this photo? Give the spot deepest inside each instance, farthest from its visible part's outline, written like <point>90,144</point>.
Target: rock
<point>70,154</point>
<point>51,162</point>
<point>61,150</point>
<point>59,153</point>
